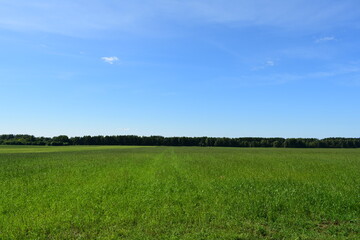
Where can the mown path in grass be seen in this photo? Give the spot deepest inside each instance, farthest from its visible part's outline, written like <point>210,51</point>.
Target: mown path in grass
<point>179,193</point>
<point>41,149</point>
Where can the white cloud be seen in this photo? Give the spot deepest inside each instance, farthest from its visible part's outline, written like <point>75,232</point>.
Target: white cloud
<point>325,39</point>
<point>270,63</point>
<point>110,60</point>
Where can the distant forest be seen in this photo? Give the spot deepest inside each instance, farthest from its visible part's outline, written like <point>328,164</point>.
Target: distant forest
<point>11,139</point>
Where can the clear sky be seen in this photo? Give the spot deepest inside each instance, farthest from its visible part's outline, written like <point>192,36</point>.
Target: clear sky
<point>286,68</point>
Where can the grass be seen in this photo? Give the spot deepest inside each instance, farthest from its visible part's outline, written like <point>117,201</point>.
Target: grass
<point>111,192</point>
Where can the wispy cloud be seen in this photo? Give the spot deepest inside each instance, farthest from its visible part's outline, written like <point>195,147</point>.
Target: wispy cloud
<point>341,74</point>
<point>325,39</point>
<point>270,63</point>
<point>80,17</point>
<point>267,64</point>
<point>110,60</point>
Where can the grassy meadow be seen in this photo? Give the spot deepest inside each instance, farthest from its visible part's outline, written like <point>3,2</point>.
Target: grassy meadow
<point>129,192</point>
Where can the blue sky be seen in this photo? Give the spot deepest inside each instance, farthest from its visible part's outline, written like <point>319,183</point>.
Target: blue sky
<point>287,68</point>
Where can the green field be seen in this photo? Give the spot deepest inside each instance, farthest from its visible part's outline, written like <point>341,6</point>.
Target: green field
<point>178,193</point>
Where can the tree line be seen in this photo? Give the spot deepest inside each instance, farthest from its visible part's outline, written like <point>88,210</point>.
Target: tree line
<point>63,140</point>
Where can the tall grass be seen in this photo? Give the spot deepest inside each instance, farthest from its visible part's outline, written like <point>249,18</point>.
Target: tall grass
<point>179,193</point>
